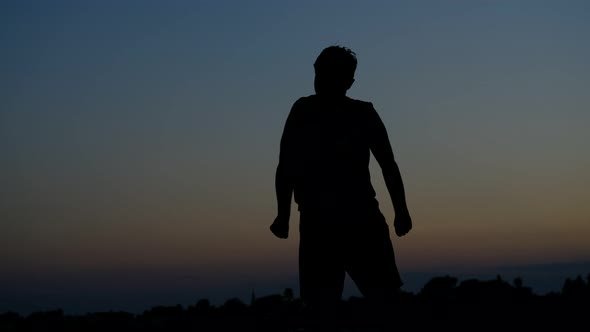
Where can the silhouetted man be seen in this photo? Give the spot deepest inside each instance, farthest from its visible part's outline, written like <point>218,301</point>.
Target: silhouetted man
<point>324,161</point>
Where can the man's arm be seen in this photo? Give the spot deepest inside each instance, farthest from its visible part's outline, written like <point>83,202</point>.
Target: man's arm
<point>284,182</point>
<point>284,191</point>
<point>381,148</point>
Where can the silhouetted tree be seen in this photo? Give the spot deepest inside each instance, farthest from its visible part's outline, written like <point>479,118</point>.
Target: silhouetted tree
<point>520,290</point>
<point>441,303</point>
<point>203,305</point>
<point>234,313</point>
<point>9,321</point>
<point>163,317</point>
<point>518,282</point>
<point>38,321</point>
<point>574,288</point>
<point>439,288</point>
<point>288,294</point>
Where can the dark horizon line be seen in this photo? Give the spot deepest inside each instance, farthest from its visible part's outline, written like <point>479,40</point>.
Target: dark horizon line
<point>441,284</point>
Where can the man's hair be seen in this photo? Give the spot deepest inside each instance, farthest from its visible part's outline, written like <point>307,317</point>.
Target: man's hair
<point>336,61</point>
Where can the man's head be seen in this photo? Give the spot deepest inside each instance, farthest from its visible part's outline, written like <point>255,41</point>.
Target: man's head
<point>334,70</point>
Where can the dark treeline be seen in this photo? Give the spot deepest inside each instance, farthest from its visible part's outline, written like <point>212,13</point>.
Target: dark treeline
<point>443,303</point>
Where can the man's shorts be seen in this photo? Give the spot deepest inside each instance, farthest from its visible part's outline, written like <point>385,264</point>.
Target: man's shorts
<point>355,242</point>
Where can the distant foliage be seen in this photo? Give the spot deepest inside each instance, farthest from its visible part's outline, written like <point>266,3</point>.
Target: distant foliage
<point>443,302</point>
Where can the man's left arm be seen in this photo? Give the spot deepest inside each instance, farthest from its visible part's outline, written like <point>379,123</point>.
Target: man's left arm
<point>381,148</point>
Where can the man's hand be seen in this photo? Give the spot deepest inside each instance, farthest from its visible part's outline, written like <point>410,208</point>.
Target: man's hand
<point>402,224</point>
<point>280,227</point>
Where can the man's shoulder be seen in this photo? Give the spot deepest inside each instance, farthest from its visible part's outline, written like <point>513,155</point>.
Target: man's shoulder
<point>316,99</point>
<point>312,102</point>
<point>306,99</point>
<point>362,104</point>
<point>301,103</point>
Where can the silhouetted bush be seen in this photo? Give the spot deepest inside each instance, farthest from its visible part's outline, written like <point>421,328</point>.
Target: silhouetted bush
<point>443,303</point>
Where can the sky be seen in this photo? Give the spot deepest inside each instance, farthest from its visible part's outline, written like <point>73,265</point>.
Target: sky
<point>139,141</point>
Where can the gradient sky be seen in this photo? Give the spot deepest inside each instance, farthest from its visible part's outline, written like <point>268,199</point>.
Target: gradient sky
<point>139,139</point>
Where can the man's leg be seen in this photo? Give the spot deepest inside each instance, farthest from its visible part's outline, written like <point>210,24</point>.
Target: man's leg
<point>321,277</point>
<point>371,265</point>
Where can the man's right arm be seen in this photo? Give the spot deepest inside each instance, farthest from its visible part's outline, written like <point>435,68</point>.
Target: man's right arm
<point>284,177</point>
